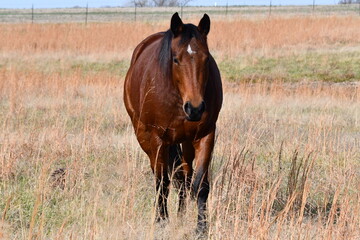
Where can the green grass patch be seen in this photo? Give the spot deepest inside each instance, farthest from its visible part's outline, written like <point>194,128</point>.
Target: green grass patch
<point>67,66</point>
<point>326,67</point>
<point>115,67</point>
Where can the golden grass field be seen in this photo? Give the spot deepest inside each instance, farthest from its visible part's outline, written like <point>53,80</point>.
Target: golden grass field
<point>286,163</point>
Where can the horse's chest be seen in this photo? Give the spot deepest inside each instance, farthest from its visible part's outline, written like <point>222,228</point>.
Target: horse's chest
<point>179,131</point>
<point>170,125</point>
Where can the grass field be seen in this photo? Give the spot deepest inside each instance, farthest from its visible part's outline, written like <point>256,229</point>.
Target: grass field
<point>286,162</point>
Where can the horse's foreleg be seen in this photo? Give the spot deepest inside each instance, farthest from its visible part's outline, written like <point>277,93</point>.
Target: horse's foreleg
<point>201,187</point>
<point>159,155</point>
<point>159,158</point>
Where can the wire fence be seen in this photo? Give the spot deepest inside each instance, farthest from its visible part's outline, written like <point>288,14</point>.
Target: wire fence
<point>154,14</point>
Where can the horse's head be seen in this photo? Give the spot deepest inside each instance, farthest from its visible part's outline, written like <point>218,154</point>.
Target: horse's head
<point>190,63</point>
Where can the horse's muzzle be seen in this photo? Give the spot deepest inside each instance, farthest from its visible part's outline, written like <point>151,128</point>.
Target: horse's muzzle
<point>192,113</point>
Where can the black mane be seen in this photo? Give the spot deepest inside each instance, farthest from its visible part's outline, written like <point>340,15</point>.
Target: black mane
<point>165,56</point>
<point>165,52</point>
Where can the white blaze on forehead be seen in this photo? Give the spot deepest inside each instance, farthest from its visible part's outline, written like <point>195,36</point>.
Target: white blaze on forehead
<point>189,50</point>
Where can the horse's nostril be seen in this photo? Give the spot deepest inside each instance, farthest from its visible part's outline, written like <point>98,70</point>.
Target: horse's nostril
<point>187,108</point>
<point>194,113</point>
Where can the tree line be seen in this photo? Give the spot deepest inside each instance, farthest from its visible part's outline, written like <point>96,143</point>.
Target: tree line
<point>349,1</point>
<point>160,3</point>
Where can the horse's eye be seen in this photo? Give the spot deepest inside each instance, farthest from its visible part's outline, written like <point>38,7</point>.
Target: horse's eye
<point>176,61</point>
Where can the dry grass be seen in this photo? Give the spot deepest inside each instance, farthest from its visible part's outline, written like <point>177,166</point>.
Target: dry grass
<point>228,38</point>
<point>275,35</point>
<point>285,164</point>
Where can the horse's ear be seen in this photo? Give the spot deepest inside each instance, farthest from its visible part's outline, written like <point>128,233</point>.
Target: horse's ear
<point>204,25</point>
<point>176,24</point>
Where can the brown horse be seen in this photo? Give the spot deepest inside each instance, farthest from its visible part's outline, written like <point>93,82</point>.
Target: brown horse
<point>173,94</point>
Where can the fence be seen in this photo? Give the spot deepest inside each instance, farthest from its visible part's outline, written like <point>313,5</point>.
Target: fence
<point>151,14</point>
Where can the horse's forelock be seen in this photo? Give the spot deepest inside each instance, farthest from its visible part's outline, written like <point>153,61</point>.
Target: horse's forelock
<point>189,31</point>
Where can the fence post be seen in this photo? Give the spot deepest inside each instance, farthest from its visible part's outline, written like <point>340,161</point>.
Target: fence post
<point>135,12</point>
<point>181,10</point>
<point>227,4</point>
<point>313,5</point>
<point>270,8</point>
<point>86,13</point>
<point>32,14</point>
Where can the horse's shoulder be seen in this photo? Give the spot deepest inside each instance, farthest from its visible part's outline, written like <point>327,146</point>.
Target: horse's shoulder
<point>144,43</point>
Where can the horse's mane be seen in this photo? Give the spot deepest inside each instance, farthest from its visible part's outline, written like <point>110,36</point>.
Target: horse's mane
<point>165,52</point>
<point>165,56</point>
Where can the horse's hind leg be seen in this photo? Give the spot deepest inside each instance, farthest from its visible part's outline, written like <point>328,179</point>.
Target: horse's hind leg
<point>182,165</point>
<point>177,174</point>
<point>162,189</point>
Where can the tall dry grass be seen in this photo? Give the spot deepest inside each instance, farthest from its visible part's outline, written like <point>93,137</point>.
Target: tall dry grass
<point>285,164</point>
<point>227,37</point>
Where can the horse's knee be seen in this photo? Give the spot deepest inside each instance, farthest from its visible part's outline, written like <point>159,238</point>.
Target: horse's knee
<point>200,186</point>
<point>202,195</point>
<point>203,191</point>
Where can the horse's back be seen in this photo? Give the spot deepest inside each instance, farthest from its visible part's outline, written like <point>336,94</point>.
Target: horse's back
<point>144,44</point>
